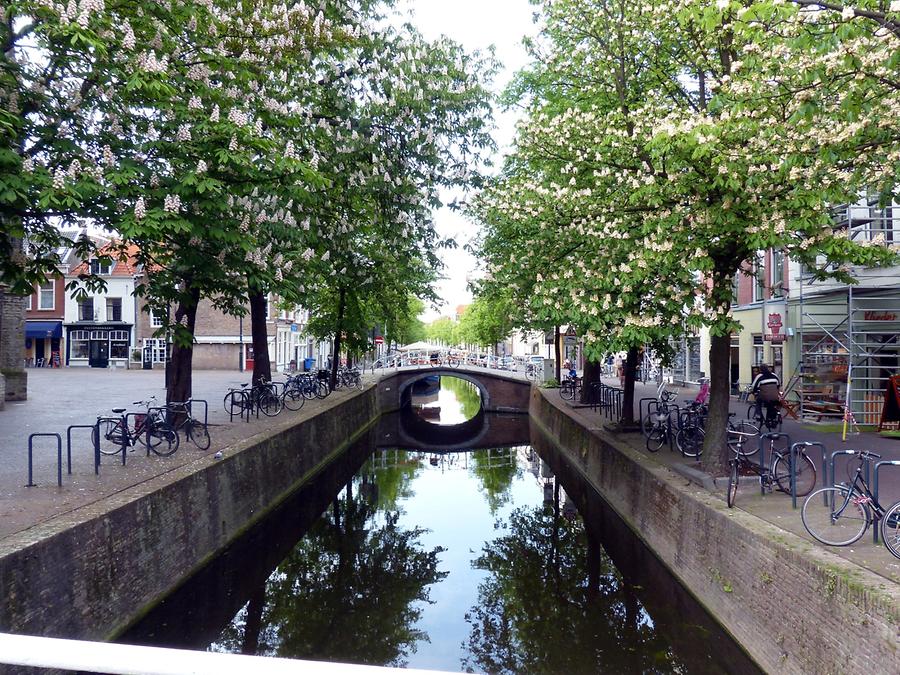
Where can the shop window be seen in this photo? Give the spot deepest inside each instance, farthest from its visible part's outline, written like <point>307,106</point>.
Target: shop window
<point>86,310</point>
<point>114,309</point>
<point>47,295</point>
<point>79,347</point>
<point>118,344</point>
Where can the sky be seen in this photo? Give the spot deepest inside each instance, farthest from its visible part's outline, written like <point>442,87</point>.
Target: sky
<point>475,24</point>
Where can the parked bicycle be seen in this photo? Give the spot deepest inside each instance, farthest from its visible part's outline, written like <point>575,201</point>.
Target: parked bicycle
<point>841,515</point>
<point>262,397</point>
<point>570,389</point>
<point>115,435</point>
<point>743,441</point>
<point>196,431</point>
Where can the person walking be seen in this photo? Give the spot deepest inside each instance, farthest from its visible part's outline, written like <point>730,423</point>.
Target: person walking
<point>620,371</point>
<point>766,387</point>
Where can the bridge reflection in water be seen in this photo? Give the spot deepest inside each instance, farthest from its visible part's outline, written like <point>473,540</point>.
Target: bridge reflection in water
<point>409,550</point>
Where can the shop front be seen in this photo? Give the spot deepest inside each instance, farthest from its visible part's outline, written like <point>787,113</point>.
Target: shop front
<point>42,343</point>
<point>98,346</point>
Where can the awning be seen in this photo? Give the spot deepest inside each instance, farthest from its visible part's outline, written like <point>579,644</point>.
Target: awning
<point>43,329</point>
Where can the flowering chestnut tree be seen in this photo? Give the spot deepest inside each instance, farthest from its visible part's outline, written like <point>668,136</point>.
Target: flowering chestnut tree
<point>675,163</point>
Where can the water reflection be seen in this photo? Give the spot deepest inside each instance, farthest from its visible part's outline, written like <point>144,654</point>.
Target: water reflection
<point>474,560</point>
<point>445,400</point>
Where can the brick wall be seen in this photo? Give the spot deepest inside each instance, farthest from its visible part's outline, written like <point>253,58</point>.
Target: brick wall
<point>795,607</point>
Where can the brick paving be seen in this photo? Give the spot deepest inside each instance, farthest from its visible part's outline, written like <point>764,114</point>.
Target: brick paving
<point>59,398</point>
<point>776,507</point>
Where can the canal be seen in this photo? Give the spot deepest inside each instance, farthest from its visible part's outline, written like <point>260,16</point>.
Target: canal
<point>496,559</point>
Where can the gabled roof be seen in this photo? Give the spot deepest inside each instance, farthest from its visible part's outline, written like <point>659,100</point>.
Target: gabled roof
<point>125,263</point>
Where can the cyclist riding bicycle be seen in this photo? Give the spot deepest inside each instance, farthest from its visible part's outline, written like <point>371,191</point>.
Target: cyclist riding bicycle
<point>766,387</point>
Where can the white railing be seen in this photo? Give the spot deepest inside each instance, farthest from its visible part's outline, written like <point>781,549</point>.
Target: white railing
<point>102,657</point>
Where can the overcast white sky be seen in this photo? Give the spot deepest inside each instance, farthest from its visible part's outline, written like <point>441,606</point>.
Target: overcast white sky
<point>476,24</point>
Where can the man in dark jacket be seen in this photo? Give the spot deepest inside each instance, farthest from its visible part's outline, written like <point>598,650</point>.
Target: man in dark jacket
<point>766,387</point>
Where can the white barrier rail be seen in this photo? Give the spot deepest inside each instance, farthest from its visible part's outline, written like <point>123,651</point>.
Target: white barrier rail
<point>117,659</point>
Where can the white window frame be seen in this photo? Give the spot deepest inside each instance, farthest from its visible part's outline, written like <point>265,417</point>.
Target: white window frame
<point>40,294</point>
<point>759,285</point>
<point>103,268</point>
<point>29,303</point>
<point>155,321</point>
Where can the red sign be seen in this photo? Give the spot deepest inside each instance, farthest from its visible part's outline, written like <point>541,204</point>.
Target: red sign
<point>379,340</point>
<point>879,316</point>
<point>774,324</point>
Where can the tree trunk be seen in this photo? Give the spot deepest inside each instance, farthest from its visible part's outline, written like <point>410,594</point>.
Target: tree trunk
<point>181,362</point>
<point>262,367</point>
<point>628,397</point>
<point>336,353</point>
<point>556,353</point>
<point>592,372</point>
<point>715,454</point>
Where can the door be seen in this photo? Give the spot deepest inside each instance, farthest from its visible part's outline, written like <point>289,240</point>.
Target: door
<point>248,357</point>
<point>99,354</point>
<point>39,356</point>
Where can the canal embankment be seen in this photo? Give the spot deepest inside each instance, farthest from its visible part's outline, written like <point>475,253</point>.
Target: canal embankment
<point>90,572</point>
<point>795,607</point>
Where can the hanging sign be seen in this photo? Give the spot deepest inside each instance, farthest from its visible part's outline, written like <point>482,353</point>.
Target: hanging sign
<point>775,336</point>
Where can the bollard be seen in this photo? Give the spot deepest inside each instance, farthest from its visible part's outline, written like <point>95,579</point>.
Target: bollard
<point>763,465</point>
<point>878,467</point>
<point>94,443</point>
<point>31,438</point>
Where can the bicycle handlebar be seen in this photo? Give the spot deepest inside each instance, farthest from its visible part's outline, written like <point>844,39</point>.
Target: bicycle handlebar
<point>864,454</point>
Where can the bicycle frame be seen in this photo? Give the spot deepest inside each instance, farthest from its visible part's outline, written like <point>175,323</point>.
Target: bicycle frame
<point>864,494</point>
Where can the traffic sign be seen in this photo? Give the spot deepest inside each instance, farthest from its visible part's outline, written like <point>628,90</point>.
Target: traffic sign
<point>379,340</point>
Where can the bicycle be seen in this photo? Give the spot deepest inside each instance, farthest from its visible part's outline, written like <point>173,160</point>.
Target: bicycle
<point>260,397</point>
<point>293,397</point>
<point>840,515</point>
<point>570,388</point>
<point>777,475</point>
<point>113,435</point>
<point>195,431</point>
<point>532,372</point>
<point>691,432</point>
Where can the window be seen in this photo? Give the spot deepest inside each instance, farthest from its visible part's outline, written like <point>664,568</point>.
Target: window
<point>100,266</point>
<point>777,274</point>
<point>86,310</point>
<point>114,309</point>
<point>47,295</point>
<point>157,349</point>
<point>28,302</point>
<point>118,344</point>
<point>79,347</point>
<point>155,321</point>
<point>759,272</point>
<point>758,348</point>
<point>735,287</point>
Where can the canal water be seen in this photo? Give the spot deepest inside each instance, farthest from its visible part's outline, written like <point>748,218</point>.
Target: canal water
<point>498,559</point>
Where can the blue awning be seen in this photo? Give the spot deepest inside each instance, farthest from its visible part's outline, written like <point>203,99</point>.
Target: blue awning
<point>43,329</point>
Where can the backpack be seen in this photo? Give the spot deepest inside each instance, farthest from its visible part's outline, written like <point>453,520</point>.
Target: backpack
<point>768,392</point>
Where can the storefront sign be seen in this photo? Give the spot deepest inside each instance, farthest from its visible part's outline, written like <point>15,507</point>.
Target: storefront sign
<point>879,316</point>
<point>774,323</point>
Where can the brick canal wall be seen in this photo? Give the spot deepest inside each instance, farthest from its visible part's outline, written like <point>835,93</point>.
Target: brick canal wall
<point>795,607</point>
<point>92,572</point>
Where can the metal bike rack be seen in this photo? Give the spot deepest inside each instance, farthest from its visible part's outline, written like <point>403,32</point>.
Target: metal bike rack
<point>670,436</point>
<point>763,465</point>
<point>820,446</point>
<point>95,444</point>
<point>31,438</point>
<point>124,448</point>
<point>878,467</point>
<point>793,467</point>
<point>648,400</point>
<point>837,453</point>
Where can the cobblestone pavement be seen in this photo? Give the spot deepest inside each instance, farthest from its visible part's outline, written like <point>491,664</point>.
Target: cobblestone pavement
<point>59,398</point>
<point>776,507</point>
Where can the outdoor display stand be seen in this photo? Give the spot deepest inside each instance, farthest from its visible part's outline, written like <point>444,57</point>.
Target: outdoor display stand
<point>890,413</point>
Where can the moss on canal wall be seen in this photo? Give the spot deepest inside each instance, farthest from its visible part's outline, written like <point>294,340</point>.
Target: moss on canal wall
<point>91,573</point>
<point>795,608</point>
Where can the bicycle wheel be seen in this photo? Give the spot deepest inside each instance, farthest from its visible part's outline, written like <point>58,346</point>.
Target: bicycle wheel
<point>567,391</point>
<point>112,436</point>
<point>689,441</point>
<point>453,362</point>
<point>268,401</point>
<point>806,474</point>
<point>322,389</point>
<point>841,521</point>
<point>731,494</point>
<point>198,434</point>
<point>890,530</point>
<point>293,399</point>
<point>743,442</point>
<point>656,439</point>
<point>162,439</point>
<point>234,402</point>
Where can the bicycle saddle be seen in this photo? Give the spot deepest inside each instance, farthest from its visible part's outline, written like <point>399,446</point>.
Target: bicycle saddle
<point>118,410</point>
<point>731,414</point>
<point>244,384</point>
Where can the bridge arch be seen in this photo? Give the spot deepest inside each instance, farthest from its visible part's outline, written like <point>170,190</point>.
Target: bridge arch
<point>405,390</point>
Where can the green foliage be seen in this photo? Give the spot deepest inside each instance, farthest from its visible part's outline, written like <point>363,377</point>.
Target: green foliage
<point>487,321</point>
<point>443,330</point>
